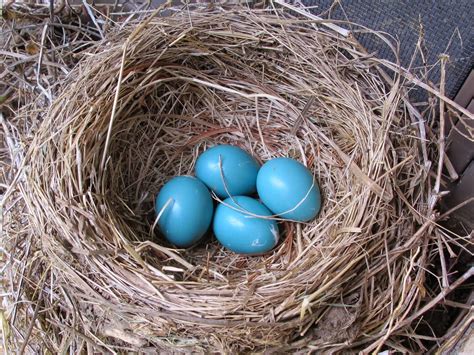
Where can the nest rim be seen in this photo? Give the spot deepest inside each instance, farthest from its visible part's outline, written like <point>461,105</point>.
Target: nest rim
<point>127,252</point>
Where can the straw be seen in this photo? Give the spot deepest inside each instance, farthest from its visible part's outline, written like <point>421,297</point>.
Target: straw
<point>137,109</point>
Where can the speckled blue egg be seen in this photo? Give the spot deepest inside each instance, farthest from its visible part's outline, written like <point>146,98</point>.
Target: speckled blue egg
<point>188,214</point>
<point>282,184</point>
<point>239,168</point>
<point>241,232</point>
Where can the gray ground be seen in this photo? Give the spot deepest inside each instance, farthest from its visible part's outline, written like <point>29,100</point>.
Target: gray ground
<point>448,27</point>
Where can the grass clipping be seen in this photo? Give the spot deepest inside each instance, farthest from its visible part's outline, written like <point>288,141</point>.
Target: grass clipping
<point>142,106</point>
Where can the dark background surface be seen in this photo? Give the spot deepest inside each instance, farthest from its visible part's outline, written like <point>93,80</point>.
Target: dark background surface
<point>448,28</point>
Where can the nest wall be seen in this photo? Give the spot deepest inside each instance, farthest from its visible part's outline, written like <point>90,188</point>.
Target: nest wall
<point>146,102</point>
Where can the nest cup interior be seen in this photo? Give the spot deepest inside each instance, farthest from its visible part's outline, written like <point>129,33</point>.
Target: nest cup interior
<point>186,102</point>
<point>108,148</point>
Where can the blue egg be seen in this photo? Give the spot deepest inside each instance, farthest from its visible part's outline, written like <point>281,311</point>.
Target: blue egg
<point>188,213</point>
<point>282,184</point>
<point>242,233</point>
<point>239,168</point>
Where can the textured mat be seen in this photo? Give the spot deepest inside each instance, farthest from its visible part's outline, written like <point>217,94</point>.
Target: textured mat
<point>448,28</point>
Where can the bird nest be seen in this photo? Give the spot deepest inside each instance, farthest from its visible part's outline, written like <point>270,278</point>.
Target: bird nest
<point>140,108</point>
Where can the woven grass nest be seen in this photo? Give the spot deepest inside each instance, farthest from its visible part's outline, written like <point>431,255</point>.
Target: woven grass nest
<point>146,102</point>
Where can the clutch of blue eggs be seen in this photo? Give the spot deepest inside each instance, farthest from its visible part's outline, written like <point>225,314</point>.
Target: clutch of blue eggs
<point>241,222</point>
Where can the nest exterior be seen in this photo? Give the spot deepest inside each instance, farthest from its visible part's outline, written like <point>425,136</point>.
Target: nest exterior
<point>139,109</point>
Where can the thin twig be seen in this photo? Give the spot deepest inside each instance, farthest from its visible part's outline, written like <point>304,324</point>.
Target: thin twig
<point>442,295</point>
<point>33,319</point>
<point>444,269</point>
<point>441,149</point>
<point>114,106</point>
<point>455,208</point>
<point>90,12</point>
<point>302,115</point>
<point>40,60</point>
<point>332,26</point>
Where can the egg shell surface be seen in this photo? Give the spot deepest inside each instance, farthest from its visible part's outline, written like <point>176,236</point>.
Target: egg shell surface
<point>188,215</point>
<point>241,232</point>
<point>239,169</point>
<point>282,183</point>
